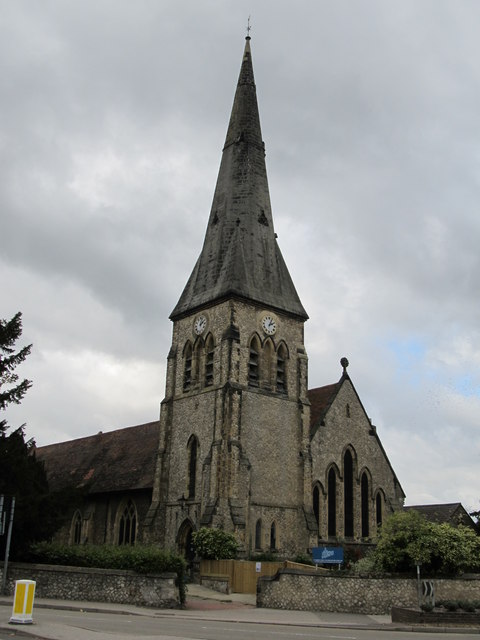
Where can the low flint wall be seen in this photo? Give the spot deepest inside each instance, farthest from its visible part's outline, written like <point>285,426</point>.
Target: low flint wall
<point>308,591</point>
<point>96,585</point>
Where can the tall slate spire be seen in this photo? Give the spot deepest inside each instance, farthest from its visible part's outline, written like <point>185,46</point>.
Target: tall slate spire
<point>240,257</point>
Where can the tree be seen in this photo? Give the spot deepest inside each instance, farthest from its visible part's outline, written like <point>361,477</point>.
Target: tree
<point>10,332</point>
<point>215,544</point>
<point>37,512</point>
<point>407,539</point>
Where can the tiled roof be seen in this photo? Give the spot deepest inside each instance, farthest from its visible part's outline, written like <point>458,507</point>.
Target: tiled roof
<point>320,400</point>
<point>114,461</point>
<point>450,513</point>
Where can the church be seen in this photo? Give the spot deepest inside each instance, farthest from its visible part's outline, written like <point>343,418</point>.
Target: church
<point>242,443</point>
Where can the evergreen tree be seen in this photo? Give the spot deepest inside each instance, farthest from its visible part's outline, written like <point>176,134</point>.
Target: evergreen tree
<point>10,332</point>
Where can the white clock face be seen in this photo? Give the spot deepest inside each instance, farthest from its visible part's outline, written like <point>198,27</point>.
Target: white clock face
<point>200,325</point>
<point>269,325</point>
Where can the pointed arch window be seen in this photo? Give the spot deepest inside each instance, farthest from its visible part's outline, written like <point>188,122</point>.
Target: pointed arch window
<point>253,362</point>
<point>187,372</point>
<point>316,504</point>
<point>365,506</point>
<point>348,493</point>
<point>127,526</point>
<point>267,359</point>
<point>273,536</point>
<point>77,528</point>
<point>258,534</point>
<point>282,369</point>
<point>332,503</point>
<point>379,509</point>
<point>209,351</point>
<point>192,466</point>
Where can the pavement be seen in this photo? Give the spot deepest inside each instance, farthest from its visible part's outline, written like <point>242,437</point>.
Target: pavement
<point>202,604</point>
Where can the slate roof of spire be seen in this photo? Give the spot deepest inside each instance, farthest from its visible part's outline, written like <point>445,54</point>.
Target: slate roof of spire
<point>240,255</point>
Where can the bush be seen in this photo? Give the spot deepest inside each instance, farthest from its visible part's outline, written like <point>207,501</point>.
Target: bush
<point>141,559</point>
<point>215,544</point>
<point>427,606</point>
<point>467,606</point>
<point>451,605</point>
<point>302,558</point>
<point>366,565</point>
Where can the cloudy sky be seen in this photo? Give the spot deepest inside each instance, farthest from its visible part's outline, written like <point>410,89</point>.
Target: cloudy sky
<point>113,115</point>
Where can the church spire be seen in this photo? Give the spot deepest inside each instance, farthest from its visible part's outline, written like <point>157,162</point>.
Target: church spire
<point>240,257</point>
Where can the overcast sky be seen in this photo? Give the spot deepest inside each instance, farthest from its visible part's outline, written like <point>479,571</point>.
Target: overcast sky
<point>113,115</point>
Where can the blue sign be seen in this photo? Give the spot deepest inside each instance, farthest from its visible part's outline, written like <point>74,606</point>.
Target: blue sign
<point>327,555</point>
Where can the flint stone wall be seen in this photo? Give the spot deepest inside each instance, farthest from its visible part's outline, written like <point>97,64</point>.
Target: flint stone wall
<point>301,591</point>
<point>96,585</point>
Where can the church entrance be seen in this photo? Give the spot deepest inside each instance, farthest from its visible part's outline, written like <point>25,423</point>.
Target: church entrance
<point>185,543</point>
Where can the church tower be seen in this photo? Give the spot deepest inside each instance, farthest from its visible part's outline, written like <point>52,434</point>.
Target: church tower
<point>234,449</point>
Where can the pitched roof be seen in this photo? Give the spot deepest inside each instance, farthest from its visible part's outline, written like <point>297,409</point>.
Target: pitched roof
<point>114,461</point>
<point>320,400</point>
<point>240,255</point>
<point>451,513</point>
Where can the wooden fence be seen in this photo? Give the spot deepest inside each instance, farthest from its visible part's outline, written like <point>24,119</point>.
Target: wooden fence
<point>242,574</point>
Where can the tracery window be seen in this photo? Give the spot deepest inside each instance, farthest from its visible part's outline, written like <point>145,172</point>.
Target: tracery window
<point>127,525</point>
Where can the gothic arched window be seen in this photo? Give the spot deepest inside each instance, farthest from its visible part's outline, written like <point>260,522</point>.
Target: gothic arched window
<point>77,528</point>
<point>253,361</point>
<point>282,369</point>
<point>209,349</point>
<point>379,508</point>
<point>192,466</point>
<point>258,534</point>
<point>332,503</point>
<point>316,504</point>
<point>273,536</point>
<point>127,525</point>
<point>187,371</point>
<point>348,493</point>
<point>365,507</point>
<point>267,359</point>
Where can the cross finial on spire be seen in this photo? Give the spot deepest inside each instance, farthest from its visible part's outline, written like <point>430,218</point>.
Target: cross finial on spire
<point>249,28</point>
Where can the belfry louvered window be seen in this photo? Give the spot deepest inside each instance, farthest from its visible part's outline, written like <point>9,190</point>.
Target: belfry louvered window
<point>253,362</point>
<point>187,374</point>
<point>209,350</point>
<point>281,369</point>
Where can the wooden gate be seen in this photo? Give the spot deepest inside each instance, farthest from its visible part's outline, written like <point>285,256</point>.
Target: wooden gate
<point>243,574</point>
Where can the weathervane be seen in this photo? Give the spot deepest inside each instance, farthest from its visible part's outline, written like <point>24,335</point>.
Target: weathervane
<point>249,28</point>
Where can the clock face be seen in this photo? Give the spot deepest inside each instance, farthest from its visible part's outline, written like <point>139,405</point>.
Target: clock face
<point>199,325</point>
<point>269,325</point>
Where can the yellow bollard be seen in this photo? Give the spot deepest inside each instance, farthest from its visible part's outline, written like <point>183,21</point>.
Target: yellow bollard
<point>23,602</point>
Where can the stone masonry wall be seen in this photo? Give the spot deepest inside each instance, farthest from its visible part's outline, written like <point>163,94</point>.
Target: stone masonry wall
<point>290,589</point>
<point>96,585</point>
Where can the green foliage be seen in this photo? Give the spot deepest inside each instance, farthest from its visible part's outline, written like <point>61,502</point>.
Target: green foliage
<point>215,544</point>
<point>141,559</point>
<point>10,331</point>
<point>366,565</point>
<point>303,558</point>
<point>407,539</point>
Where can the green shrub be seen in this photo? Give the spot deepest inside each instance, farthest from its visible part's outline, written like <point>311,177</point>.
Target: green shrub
<point>141,559</point>
<point>466,605</point>
<point>302,558</point>
<point>451,605</point>
<point>427,606</point>
<point>215,544</point>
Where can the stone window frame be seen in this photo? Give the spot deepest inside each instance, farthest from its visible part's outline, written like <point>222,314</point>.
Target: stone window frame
<point>332,471</point>
<point>366,503</point>
<point>209,359</point>
<point>273,536</point>
<point>283,355</point>
<point>76,528</point>
<point>187,365</point>
<point>254,355</point>
<point>126,526</point>
<point>193,446</point>
<point>258,534</point>
<point>349,496</point>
